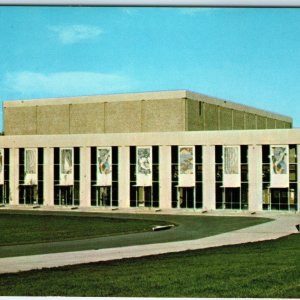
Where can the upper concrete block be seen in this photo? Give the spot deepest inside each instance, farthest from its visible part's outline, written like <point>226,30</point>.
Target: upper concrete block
<point>139,112</point>
<point>87,118</point>
<point>53,119</point>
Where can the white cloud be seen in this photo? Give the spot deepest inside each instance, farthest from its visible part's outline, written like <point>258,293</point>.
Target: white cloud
<point>39,85</point>
<point>76,33</point>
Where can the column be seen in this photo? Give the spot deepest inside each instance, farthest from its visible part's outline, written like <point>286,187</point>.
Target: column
<point>124,177</point>
<point>14,176</point>
<point>85,176</point>
<point>209,182</point>
<point>255,178</point>
<point>165,185</point>
<point>48,176</point>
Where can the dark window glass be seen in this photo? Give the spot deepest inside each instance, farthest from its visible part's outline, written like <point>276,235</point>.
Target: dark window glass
<point>132,173</point>
<point>198,154</point>
<point>77,155</point>
<point>115,194</point>
<point>115,173</point>
<point>155,154</point>
<point>218,154</point>
<point>155,170</point>
<point>155,193</point>
<point>266,173</point>
<point>293,153</point>
<point>93,155</point>
<point>198,172</point>
<point>132,155</point>
<point>174,195</point>
<point>266,153</point>
<point>219,172</point>
<point>115,155</point>
<point>244,154</point>
<point>219,196</point>
<point>175,173</point>
<point>244,173</point>
<point>199,195</point>
<point>174,154</point>
<point>133,196</point>
<point>293,172</point>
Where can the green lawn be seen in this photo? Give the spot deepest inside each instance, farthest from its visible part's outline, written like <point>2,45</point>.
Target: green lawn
<point>29,233</point>
<point>28,227</point>
<point>264,269</point>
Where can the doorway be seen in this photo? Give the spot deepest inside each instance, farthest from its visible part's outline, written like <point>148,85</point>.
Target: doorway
<point>186,198</point>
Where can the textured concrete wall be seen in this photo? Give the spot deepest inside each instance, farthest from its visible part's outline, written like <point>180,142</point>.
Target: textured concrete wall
<point>134,113</point>
<point>271,123</point>
<point>211,117</point>
<point>287,125</point>
<point>53,119</point>
<point>225,118</point>
<point>123,116</point>
<point>195,113</point>
<point>87,118</point>
<point>250,121</point>
<point>261,122</point>
<point>238,120</point>
<point>163,115</point>
<point>21,120</point>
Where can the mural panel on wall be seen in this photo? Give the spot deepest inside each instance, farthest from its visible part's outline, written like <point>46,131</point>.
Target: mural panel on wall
<point>104,175</point>
<point>231,166</point>
<point>279,165</point>
<point>144,166</point>
<point>30,161</point>
<point>186,166</point>
<point>66,166</point>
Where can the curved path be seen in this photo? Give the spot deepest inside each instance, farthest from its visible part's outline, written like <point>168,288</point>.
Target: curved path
<point>281,226</point>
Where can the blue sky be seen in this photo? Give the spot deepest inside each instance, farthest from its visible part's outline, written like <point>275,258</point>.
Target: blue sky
<point>246,55</point>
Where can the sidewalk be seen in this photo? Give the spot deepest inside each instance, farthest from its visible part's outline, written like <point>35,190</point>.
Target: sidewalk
<point>281,226</point>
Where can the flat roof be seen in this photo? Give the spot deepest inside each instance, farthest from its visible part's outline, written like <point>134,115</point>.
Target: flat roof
<point>161,95</point>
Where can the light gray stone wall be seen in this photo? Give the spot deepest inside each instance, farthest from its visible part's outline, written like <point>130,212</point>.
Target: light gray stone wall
<point>163,115</point>
<point>20,120</point>
<point>87,118</point>
<point>145,112</point>
<point>53,119</point>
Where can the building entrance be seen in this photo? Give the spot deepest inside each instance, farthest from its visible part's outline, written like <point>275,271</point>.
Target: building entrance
<point>66,195</point>
<point>186,197</point>
<point>29,194</point>
<point>279,199</point>
<point>103,196</point>
<point>144,196</point>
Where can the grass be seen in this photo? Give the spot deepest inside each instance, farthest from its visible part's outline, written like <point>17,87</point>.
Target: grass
<point>263,269</point>
<point>29,233</point>
<point>23,228</point>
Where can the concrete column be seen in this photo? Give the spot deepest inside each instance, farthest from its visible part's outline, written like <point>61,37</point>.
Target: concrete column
<point>85,176</point>
<point>48,176</point>
<point>14,176</point>
<point>209,182</point>
<point>124,177</point>
<point>255,178</point>
<point>298,177</point>
<point>165,186</point>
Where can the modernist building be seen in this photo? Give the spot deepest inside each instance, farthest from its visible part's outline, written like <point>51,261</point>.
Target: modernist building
<point>163,150</point>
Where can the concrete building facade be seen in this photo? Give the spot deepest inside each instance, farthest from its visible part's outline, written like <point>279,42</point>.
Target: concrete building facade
<point>141,112</point>
<point>167,150</point>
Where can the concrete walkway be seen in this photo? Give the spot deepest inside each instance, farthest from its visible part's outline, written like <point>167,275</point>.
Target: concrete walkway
<point>281,226</point>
